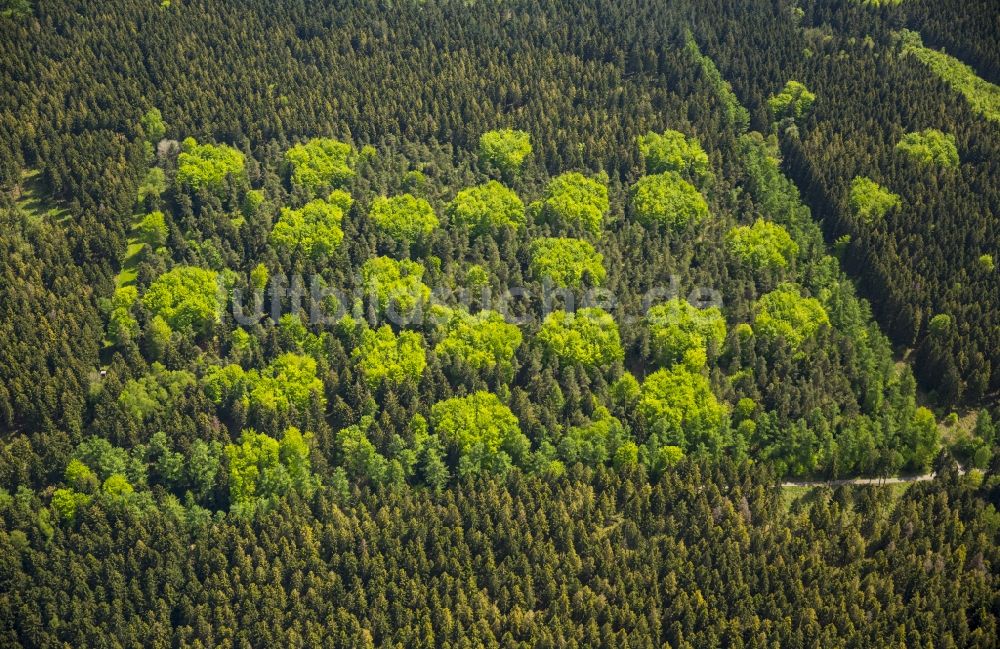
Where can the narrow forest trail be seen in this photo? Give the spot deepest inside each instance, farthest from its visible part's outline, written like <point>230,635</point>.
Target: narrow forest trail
<point>866,481</point>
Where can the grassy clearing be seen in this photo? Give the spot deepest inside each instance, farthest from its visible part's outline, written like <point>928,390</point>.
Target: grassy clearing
<point>791,495</point>
<point>130,264</point>
<point>35,200</point>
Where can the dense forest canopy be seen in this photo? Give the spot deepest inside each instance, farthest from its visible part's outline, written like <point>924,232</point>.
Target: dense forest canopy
<point>461,324</point>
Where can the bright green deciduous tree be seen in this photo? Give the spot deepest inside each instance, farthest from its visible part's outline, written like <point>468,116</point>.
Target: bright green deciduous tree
<point>486,208</point>
<point>312,230</point>
<point>678,408</point>
<point>587,337</point>
<point>153,126</point>
<point>293,452</point>
<point>154,184</point>
<point>594,442</point>
<point>259,276</point>
<point>395,285</point>
<point>188,298</point>
<point>672,151</point>
<point>403,218</point>
<point>930,147</point>
<point>122,326</point>
<point>154,393</point>
<point>79,476</point>
<point>321,164</point>
<point>288,383</point>
<point>117,487</point>
<point>152,230</point>
<point>384,357</point>
<point>483,341</point>
<point>361,460</point>
<point>573,199</point>
<point>677,329</point>
<point>762,245</point>
<point>67,502</point>
<point>785,313</point>
<point>793,101</point>
<point>925,439</point>
<point>567,262</point>
<point>667,199</point>
<point>870,201</point>
<point>206,166</point>
<point>261,469</point>
<point>940,324</point>
<point>482,430</point>
<point>506,149</point>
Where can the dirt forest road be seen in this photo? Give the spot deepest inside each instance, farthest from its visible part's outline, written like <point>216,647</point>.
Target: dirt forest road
<point>864,481</point>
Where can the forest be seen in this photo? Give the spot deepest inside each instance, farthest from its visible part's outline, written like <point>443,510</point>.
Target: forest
<point>446,324</point>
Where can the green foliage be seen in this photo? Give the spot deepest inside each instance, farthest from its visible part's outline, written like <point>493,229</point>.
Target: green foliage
<point>736,114</point>
<point>762,245</point>
<point>206,166</point>
<point>122,326</point>
<point>575,200</point>
<point>384,357</point>
<point>154,184</point>
<point>667,199</point>
<point>154,393</point>
<point>293,452</point>
<point>506,149</point>
<point>940,324</point>
<point>483,341</point>
<point>152,230</point>
<point>477,277</point>
<point>106,460</point>
<point>986,263</point>
<point>361,460</point>
<point>395,285</point>
<point>595,442</point>
<point>320,164</point>
<point>403,218</point>
<point>678,408</point>
<point>785,313</point>
<point>925,439</point>
<point>680,332</point>
<point>313,230</point>
<point>79,477</point>
<point>188,298</point>
<point>67,502</point>
<point>117,487</point>
<point>871,202</point>
<point>930,147</point>
<point>259,276</point>
<point>983,96</point>
<point>793,101</point>
<point>153,126</point>
<point>567,262</point>
<point>262,469</point>
<point>482,430</point>
<point>672,151</point>
<point>289,383</point>
<point>588,337</point>
<point>487,208</point>
<point>15,8</point>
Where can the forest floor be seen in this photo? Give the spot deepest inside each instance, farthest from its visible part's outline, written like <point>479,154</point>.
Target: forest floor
<point>792,492</point>
<point>34,198</point>
<point>860,481</point>
<point>130,263</point>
